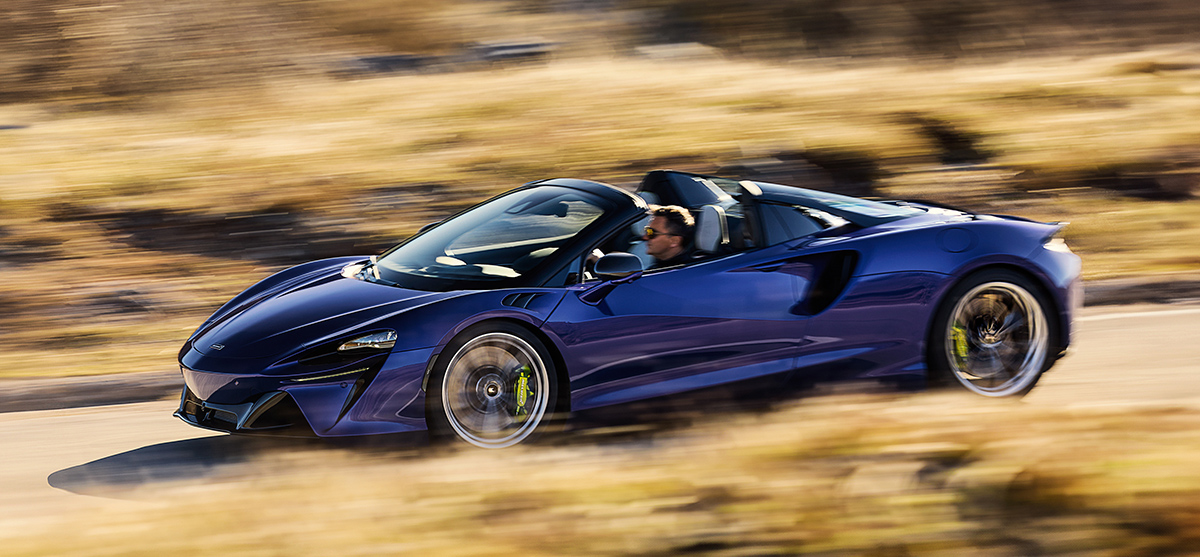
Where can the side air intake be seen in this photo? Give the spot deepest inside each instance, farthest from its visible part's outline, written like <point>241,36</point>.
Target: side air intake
<point>521,300</point>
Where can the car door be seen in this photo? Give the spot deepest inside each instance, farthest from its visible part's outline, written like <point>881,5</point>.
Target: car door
<point>707,324</point>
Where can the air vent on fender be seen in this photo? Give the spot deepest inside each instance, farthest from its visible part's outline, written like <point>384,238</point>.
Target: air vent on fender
<point>521,300</point>
<point>836,268</point>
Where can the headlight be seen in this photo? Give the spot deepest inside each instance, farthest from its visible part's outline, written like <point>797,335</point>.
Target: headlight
<point>352,270</point>
<point>330,376</point>
<point>383,340</point>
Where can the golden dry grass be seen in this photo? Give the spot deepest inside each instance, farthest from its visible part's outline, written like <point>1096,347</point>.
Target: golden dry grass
<point>322,146</point>
<point>850,474</point>
<point>882,474</point>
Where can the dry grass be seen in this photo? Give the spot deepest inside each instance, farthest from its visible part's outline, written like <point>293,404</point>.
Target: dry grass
<point>370,161</point>
<point>929,474</point>
<point>126,132</point>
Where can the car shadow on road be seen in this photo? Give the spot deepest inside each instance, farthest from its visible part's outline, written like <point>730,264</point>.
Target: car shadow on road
<point>122,475</point>
<point>135,474</point>
<point>212,459</point>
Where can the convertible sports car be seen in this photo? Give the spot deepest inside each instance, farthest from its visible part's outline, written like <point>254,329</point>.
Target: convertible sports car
<point>495,324</point>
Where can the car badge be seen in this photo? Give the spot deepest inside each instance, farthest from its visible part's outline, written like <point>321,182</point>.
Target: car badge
<point>218,347</point>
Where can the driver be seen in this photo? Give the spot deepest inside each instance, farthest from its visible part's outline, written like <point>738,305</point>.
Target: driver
<point>669,235</point>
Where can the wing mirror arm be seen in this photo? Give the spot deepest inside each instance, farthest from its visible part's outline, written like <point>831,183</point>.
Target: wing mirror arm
<point>616,269</point>
<point>596,294</point>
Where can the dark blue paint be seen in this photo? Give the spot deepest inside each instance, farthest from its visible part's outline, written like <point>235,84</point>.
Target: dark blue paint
<point>743,316</point>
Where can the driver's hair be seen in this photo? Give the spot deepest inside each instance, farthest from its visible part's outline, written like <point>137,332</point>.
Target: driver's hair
<point>679,220</point>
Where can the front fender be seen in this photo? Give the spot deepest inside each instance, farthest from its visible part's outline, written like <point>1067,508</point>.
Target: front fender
<point>434,325</point>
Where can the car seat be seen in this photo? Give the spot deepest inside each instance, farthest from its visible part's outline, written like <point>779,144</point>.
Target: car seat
<point>712,231</point>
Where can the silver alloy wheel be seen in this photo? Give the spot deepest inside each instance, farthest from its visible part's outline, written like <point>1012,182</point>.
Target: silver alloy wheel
<point>495,390</point>
<point>997,339</point>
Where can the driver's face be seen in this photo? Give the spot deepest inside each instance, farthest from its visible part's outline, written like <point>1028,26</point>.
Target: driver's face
<point>663,244</point>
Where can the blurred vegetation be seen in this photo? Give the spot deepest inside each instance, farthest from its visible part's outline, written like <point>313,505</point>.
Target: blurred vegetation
<point>119,48</point>
<point>156,158</point>
<point>944,28</point>
<point>847,474</point>
<point>132,48</point>
<point>411,26</point>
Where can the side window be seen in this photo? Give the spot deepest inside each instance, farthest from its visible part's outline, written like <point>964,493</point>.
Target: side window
<point>626,239</point>
<point>783,222</point>
<point>565,276</point>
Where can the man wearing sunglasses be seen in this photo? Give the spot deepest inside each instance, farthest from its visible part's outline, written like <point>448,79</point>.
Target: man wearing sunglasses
<point>669,235</point>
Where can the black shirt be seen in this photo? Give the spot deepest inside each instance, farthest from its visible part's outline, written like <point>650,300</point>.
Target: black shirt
<point>681,258</point>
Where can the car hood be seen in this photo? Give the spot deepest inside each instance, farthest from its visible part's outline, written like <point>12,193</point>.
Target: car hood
<point>306,314</point>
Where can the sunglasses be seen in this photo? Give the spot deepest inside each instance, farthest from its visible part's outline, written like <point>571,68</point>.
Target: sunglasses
<point>651,233</point>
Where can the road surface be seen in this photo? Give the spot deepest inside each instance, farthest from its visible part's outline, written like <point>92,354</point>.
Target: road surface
<point>83,458</point>
<point>1128,355</point>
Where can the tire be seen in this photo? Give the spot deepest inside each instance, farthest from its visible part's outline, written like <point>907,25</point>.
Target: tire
<point>993,334</point>
<point>494,386</point>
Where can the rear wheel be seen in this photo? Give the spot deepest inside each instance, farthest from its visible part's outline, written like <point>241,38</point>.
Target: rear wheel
<point>993,334</point>
<point>494,387</point>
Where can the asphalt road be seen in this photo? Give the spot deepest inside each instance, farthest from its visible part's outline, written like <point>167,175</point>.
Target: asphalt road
<point>76,459</point>
<point>1128,355</point>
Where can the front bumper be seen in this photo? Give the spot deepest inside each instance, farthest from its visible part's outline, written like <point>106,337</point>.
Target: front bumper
<point>377,394</point>
<point>273,412</point>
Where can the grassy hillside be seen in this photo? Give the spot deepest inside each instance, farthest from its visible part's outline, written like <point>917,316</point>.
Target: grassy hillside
<point>156,158</point>
<point>134,201</point>
<point>122,229</point>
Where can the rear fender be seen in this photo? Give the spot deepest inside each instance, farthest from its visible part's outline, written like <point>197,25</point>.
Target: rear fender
<point>946,247</point>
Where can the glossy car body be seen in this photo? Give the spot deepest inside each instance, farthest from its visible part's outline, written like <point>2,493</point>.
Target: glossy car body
<point>787,285</point>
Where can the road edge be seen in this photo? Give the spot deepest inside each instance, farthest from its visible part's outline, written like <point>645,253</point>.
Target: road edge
<point>53,393</point>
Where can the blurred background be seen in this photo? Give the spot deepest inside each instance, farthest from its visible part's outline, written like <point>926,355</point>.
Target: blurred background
<point>158,157</point>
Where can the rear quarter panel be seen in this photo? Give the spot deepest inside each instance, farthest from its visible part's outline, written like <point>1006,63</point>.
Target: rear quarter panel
<point>879,325</point>
<point>952,248</point>
<point>958,249</point>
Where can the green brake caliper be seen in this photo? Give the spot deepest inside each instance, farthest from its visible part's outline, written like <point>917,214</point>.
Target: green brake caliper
<point>959,334</point>
<point>522,391</point>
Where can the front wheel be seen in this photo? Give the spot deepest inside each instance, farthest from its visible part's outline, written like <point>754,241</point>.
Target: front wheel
<point>495,389</point>
<point>993,334</point>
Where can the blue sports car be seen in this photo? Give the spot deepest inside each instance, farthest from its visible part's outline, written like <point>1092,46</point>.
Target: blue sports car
<point>495,324</point>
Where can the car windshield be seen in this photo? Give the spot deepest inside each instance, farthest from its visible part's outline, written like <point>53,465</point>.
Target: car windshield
<point>499,240</point>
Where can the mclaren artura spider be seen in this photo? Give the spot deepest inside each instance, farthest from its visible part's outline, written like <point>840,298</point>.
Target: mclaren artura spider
<point>495,324</point>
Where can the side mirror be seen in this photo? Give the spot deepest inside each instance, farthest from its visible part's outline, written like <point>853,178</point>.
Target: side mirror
<point>614,269</point>
<point>618,266</point>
